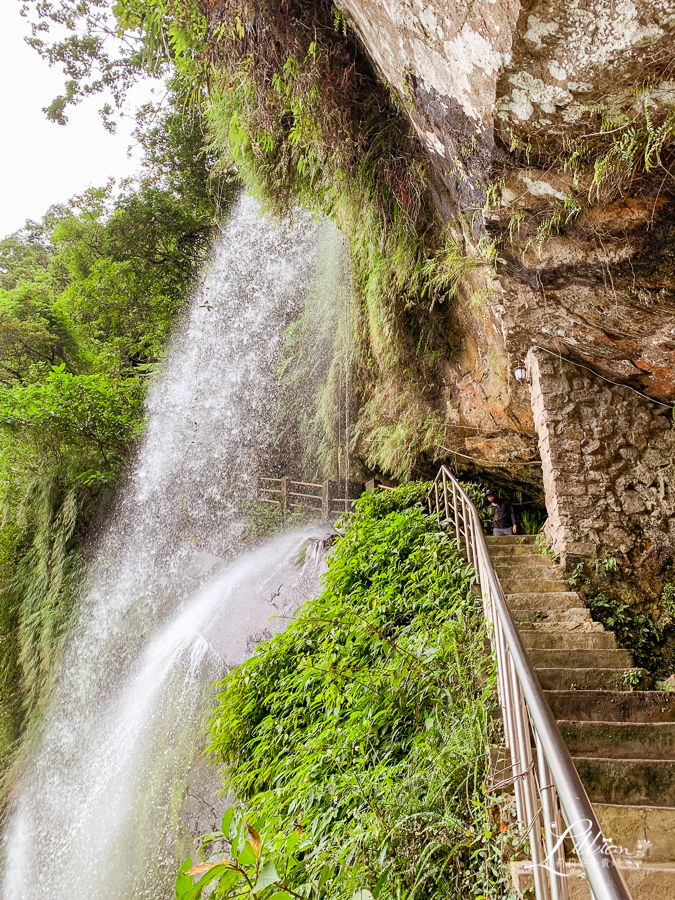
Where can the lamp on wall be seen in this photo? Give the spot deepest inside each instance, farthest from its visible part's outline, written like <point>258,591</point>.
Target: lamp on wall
<point>520,374</point>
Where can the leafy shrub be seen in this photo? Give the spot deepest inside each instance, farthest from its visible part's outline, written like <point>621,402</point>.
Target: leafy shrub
<point>364,727</point>
<point>634,631</point>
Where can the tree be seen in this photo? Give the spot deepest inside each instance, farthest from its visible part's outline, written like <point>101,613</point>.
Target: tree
<point>88,415</point>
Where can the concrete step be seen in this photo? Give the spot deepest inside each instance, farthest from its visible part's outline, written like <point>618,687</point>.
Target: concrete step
<point>580,659</point>
<point>649,881</point>
<point>555,618</point>
<point>568,640</point>
<point>642,782</point>
<point>535,600</point>
<point>640,829</point>
<point>510,539</point>
<point>620,740</point>
<point>594,679</point>
<point>611,706</point>
<point>533,585</point>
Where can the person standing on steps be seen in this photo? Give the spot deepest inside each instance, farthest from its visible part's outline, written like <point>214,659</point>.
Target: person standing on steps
<point>505,518</point>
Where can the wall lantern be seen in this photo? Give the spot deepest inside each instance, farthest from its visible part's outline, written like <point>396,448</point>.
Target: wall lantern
<point>520,374</point>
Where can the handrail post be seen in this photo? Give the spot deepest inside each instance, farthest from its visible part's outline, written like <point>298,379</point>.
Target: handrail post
<point>466,530</point>
<point>456,513</point>
<point>445,495</point>
<point>325,501</point>
<point>553,842</point>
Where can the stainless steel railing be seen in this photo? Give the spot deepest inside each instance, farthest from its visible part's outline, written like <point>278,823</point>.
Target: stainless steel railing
<point>547,786</point>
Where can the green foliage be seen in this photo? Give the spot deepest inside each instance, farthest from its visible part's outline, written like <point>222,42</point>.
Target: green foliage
<point>634,631</point>
<point>365,723</point>
<point>531,520</point>
<point>310,123</point>
<point>668,601</point>
<point>394,436</point>
<point>74,414</point>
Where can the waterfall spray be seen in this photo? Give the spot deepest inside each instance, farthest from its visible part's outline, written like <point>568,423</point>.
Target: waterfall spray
<point>101,810</point>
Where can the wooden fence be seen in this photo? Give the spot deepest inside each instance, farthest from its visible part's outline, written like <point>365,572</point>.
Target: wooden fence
<point>328,498</point>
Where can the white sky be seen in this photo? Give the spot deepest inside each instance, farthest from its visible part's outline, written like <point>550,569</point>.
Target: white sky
<point>42,163</point>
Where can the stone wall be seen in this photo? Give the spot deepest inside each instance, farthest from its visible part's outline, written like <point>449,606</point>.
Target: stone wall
<point>608,459</point>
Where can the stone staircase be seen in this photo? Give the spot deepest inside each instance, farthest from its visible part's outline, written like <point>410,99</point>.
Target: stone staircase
<point>622,741</point>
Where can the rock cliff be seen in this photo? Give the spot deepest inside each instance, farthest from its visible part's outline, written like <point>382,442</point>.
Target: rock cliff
<point>550,132</point>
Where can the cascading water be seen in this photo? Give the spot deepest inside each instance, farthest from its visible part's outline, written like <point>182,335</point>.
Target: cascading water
<point>113,779</point>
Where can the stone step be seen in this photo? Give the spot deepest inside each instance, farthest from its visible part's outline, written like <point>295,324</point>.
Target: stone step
<point>555,618</point>
<point>516,551</point>
<point>510,539</point>
<point>611,706</point>
<point>535,600</point>
<point>640,782</point>
<point>580,659</point>
<point>568,640</point>
<point>620,740</point>
<point>520,563</point>
<point>529,573</point>
<point>584,627</point>
<point>649,881</point>
<point>594,679</point>
<point>633,827</point>
<point>533,585</point>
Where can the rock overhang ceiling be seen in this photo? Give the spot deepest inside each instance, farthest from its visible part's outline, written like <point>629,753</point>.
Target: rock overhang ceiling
<point>521,108</point>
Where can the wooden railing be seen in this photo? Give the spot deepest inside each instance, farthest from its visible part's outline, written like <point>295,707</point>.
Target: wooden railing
<point>290,495</point>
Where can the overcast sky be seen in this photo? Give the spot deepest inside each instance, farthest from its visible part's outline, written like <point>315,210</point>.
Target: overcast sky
<point>42,163</point>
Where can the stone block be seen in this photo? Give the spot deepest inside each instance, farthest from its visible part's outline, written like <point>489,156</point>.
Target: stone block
<point>574,432</point>
<point>656,457</point>
<point>615,468</point>
<point>630,454</point>
<point>632,502</point>
<point>571,487</point>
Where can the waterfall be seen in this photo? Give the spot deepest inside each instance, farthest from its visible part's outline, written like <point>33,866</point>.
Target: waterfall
<point>114,779</point>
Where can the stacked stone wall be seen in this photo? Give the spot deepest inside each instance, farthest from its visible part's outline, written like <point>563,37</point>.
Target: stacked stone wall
<point>608,461</point>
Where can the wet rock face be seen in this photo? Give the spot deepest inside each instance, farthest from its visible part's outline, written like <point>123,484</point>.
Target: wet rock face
<point>515,95</point>
<point>546,123</point>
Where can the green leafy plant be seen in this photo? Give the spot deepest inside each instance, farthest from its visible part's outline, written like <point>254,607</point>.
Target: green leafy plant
<point>543,547</point>
<point>634,631</point>
<point>262,862</point>
<point>532,520</point>
<point>632,679</point>
<point>668,602</point>
<point>366,723</point>
<point>576,576</point>
<point>606,564</point>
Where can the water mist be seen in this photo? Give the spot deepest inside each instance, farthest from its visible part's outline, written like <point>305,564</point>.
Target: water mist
<point>113,781</point>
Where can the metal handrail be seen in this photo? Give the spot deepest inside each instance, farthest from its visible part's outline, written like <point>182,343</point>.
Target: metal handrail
<point>549,785</point>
